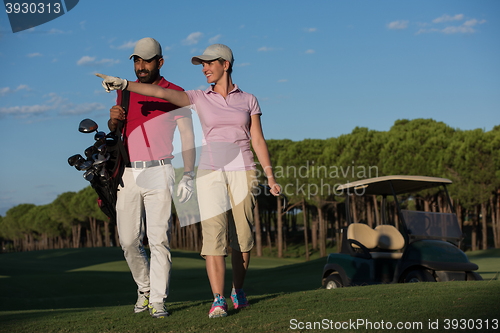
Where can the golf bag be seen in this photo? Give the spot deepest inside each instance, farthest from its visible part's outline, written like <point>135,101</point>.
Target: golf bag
<point>115,166</point>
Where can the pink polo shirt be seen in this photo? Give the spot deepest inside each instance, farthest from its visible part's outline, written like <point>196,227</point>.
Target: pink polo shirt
<point>151,124</point>
<point>226,128</point>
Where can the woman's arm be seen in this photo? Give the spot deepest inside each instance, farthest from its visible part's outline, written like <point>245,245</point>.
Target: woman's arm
<point>260,147</point>
<point>179,98</point>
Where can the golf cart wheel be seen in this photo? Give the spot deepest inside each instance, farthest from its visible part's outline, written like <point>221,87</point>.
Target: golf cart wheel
<point>419,275</point>
<point>473,276</point>
<point>333,282</point>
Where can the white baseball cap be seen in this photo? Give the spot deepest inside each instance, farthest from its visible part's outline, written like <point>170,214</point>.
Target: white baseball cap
<point>147,48</point>
<point>214,51</point>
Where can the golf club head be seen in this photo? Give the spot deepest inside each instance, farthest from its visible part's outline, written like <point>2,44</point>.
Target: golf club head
<point>111,139</point>
<point>100,142</point>
<point>100,159</point>
<point>99,136</point>
<point>85,165</point>
<point>78,163</point>
<point>102,149</point>
<point>90,151</point>
<point>87,126</point>
<point>89,175</point>
<point>73,159</point>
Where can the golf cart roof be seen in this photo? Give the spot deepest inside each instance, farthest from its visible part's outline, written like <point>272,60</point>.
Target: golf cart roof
<point>401,184</point>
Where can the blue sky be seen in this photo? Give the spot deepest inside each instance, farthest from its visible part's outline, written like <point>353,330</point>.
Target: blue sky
<point>319,69</point>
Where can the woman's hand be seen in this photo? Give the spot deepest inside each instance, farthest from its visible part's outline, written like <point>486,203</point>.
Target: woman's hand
<point>275,187</point>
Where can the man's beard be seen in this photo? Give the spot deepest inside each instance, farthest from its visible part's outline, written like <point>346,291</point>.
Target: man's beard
<point>149,78</point>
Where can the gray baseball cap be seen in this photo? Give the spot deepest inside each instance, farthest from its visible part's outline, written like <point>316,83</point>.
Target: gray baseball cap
<point>147,48</point>
<point>214,51</point>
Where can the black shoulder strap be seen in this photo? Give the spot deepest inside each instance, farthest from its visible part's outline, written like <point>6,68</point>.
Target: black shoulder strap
<point>125,101</point>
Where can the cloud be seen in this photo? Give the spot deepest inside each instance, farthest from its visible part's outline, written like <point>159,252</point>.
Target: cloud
<point>85,60</point>
<point>310,51</point>
<point>91,61</point>
<point>24,111</point>
<point>127,45</point>
<point>193,38</point>
<point>79,109</point>
<point>398,25</point>
<point>311,29</point>
<point>54,102</point>
<point>36,54</point>
<point>8,90</point>
<point>282,80</point>
<point>265,49</point>
<point>244,64</point>
<point>214,39</point>
<point>55,31</point>
<point>465,28</point>
<point>447,18</point>
<point>425,31</point>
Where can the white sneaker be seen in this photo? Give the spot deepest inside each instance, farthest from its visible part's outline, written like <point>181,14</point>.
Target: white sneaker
<point>158,310</point>
<point>142,302</point>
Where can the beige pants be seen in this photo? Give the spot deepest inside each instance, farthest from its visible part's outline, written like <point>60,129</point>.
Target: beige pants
<point>144,204</point>
<point>220,192</point>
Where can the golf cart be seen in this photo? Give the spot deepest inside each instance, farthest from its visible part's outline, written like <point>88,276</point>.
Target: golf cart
<point>424,247</point>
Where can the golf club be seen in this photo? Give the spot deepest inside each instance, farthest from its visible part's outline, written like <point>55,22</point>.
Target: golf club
<point>87,126</point>
<point>74,159</point>
<point>285,199</point>
<point>90,151</point>
<point>80,161</point>
<point>89,175</point>
<point>100,159</point>
<point>99,136</point>
<point>85,165</point>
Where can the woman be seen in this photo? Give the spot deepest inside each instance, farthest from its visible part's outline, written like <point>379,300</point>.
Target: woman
<point>230,120</point>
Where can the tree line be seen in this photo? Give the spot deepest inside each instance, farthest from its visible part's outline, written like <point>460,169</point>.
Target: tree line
<point>309,172</point>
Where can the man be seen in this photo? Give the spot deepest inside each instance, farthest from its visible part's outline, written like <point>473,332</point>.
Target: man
<point>144,199</point>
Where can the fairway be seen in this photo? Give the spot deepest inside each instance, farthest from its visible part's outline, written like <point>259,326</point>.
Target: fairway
<point>91,290</point>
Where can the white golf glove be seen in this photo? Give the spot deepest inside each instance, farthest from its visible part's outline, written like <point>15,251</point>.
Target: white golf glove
<point>112,83</point>
<point>185,189</point>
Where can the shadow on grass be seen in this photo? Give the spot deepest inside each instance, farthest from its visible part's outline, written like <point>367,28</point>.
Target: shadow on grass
<point>99,277</point>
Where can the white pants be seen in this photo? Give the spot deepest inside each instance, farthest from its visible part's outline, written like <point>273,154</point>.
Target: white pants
<point>144,203</point>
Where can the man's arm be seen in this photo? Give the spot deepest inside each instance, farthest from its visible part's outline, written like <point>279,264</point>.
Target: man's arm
<point>185,125</point>
<point>116,113</point>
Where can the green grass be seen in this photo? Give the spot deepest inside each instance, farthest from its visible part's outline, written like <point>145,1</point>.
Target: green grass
<point>91,290</point>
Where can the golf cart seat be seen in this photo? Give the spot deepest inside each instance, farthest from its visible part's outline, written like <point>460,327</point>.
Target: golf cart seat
<point>362,233</point>
<point>384,239</point>
<point>389,238</point>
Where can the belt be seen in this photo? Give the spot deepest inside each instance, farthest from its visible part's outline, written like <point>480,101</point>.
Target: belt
<point>149,164</point>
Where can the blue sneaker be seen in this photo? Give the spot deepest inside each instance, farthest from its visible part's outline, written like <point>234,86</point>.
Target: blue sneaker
<point>239,299</point>
<point>219,307</point>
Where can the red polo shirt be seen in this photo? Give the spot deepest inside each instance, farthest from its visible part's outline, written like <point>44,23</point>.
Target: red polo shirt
<point>151,124</point>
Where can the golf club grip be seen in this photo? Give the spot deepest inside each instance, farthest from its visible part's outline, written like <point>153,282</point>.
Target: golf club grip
<point>285,199</point>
